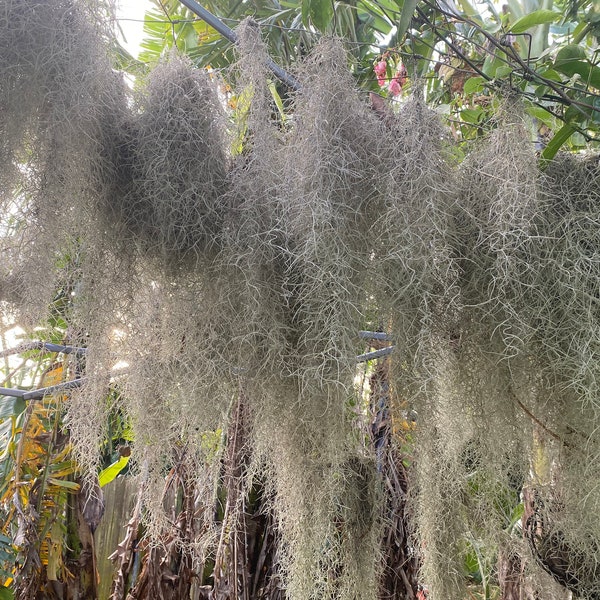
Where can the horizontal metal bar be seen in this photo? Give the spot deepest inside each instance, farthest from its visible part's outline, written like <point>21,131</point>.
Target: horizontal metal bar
<point>375,354</point>
<point>41,392</point>
<point>12,392</point>
<point>76,383</point>
<point>53,389</point>
<point>374,335</point>
<point>44,346</point>
<point>62,349</point>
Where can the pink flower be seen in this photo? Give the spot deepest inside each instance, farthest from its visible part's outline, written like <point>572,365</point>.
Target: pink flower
<point>395,86</point>
<point>380,68</point>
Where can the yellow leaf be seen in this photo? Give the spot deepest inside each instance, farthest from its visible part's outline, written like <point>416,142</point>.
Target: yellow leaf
<point>53,376</point>
<point>108,474</point>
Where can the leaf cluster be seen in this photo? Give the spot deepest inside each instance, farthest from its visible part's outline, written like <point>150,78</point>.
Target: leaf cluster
<point>463,56</point>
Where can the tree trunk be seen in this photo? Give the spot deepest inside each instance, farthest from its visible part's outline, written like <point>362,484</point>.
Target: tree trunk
<point>245,560</point>
<point>232,568</point>
<point>510,574</point>
<point>399,580</point>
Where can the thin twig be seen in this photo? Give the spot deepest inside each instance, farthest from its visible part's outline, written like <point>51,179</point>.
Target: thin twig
<point>537,421</point>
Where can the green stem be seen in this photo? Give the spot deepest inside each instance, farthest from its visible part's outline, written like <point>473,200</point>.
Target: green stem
<point>581,35</point>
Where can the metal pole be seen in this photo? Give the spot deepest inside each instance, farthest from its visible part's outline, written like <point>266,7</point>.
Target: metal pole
<point>228,33</point>
<point>375,354</point>
<point>44,346</point>
<point>374,335</point>
<point>76,383</point>
<point>40,393</point>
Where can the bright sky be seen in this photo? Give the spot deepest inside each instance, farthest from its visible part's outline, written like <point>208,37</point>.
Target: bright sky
<point>133,30</point>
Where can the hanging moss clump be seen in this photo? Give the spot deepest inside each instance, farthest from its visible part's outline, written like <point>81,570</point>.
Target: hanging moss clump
<point>176,158</point>
<point>202,266</point>
<point>561,311</point>
<point>61,110</point>
<point>61,106</point>
<point>327,196</point>
<point>253,262</point>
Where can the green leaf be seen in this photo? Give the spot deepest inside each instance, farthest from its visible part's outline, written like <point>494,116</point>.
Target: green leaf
<point>571,60</point>
<point>111,472</point>
<point>474,85</point>
<point>406,15</point>
<point>320,12</point>
<point>568,54</point>
<point>541,115</point>
<point>576,114</point>
<point>187,34</point>
<point>372,14</point>
<point>516,515</point>
<point>205,32</point>
<point>305,13</point>
<point>468,9</point>
<point>6,431</point>
<point>240,117</point>
<point>589,108</point>
<point>471,115</point>
<point>491,64</point>
<point>277,99</point>
<point>555,144</point>
<point>422,46</point>
<point>11,407</point>
<point>472,564</point>
<point>551,74</point>
<point>503,71</point>
<point>64,483</point>
<point>6,594</point>
<point>537,17</point>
